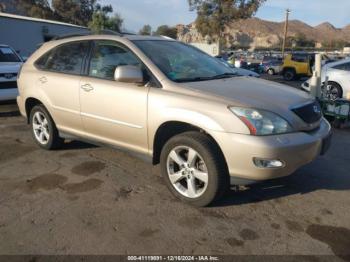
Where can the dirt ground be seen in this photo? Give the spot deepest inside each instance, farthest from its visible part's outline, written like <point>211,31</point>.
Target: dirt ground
<point>84,199</point>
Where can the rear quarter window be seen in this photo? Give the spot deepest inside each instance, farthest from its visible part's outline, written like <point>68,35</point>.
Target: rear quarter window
<point>67,58</point>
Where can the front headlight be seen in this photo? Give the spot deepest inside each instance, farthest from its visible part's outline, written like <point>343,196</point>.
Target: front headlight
<point>261,122</point>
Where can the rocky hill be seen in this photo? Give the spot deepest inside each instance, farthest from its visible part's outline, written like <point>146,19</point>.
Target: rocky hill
<point>255,32</point>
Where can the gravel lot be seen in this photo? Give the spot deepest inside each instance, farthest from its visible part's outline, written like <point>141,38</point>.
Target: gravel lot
<point>84,199</point>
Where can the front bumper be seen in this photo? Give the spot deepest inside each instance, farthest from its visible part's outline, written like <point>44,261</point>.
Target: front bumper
<point>21,106</point>
<point>294,150</point>
<point>8,94</point>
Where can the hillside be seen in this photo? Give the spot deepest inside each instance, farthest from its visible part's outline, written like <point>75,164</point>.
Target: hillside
<point>255,32</point>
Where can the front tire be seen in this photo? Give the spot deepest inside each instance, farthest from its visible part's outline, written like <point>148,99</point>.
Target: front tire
<point>194,169</point>
<point>43,128</point>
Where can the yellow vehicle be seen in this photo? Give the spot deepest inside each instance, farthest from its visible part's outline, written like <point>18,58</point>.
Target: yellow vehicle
<point>297,65</point>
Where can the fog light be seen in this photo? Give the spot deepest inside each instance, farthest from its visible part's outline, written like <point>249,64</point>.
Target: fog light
<point>267,163</point>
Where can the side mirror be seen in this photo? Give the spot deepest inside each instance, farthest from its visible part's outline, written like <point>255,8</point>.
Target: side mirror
<point>128,74</point>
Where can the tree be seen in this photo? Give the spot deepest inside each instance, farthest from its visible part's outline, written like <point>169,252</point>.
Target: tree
<point>36,8</point>
<point>101,21</point>
<point>300,40</point>
<point>146,30</point>
<point>78,12</point>
<point>335,44</point>
<point>214,15</point>
<point>167,31</point>
<point>114,23</point>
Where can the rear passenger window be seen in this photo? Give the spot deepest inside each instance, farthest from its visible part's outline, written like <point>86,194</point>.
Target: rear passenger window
<point>67,58</point>
<point>107,56</point>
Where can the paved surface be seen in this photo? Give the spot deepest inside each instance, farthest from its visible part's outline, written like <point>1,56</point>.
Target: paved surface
<point>91,200</point>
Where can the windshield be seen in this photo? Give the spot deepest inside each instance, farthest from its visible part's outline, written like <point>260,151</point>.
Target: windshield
<point>7,55</point>
<point>183,63</point>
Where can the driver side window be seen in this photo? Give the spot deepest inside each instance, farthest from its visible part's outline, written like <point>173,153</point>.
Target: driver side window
<point>107,56</point>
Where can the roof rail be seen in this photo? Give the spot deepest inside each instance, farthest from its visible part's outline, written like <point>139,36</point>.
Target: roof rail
<point>108,32</point>
<point>102,32</point>
<point>128,33</point>
<point>69,36</point>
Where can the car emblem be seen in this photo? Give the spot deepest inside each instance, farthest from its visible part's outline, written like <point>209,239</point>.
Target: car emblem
<point>317,110</point>
<point>8,76</point>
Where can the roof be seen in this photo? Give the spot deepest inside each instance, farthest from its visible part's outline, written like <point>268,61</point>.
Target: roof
<point>33,19</point>
<point>145,37</point>
<point>67,38</point>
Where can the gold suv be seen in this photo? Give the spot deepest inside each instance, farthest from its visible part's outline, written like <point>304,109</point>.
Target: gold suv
<point>207,127</point>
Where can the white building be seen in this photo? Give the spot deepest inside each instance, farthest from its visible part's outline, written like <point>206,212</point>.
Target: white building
<point>24,34</point>
<point>212,49</point>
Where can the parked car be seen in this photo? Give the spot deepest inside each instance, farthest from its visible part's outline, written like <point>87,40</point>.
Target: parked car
<point>174,105</point>
<point>255,67</point>
<point>10,64</point>
<point>272,66</point>
<point>338,74</point>
<point>238,71</point>
<point>297,65</point>
<point>245,72</point>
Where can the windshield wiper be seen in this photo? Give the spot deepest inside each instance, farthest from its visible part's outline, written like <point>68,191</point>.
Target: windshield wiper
<point>205,78</point>
<point>225,75</point>
<point>193,79</point>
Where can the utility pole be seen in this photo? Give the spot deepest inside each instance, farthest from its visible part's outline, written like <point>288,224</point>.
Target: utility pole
<point>285,32</point>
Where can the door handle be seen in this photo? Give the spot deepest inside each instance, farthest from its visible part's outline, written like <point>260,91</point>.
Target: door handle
<point>43,79</point>
<point>87,87</point>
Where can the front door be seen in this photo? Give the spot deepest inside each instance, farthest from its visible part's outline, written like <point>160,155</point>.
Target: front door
<point>113,112</point>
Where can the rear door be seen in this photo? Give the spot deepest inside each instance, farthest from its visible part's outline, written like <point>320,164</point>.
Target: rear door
<point>301,63</point>
<point>59,78</point>
<point>113,112</point>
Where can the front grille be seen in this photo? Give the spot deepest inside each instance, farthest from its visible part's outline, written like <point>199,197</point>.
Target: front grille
<point>8,85</point>
<point>8,75</point>
<point>309,113</point>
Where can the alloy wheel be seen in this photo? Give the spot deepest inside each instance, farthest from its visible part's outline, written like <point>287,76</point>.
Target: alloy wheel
<point>333,92</point>
<point>41,128</point>
<point>187,171</point>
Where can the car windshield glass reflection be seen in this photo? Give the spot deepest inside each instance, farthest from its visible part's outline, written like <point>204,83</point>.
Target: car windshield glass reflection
<point>183,63</point>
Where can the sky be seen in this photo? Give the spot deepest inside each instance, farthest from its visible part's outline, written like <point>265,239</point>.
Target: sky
<point>137,13</point>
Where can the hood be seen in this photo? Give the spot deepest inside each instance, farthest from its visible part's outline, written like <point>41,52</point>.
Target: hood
<point>10,67</point>
<point>255,93</point>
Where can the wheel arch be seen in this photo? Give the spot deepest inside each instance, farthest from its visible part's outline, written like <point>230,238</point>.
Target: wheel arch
<point>169,129</point>
<point>289,68</point>
<point>29,104</point>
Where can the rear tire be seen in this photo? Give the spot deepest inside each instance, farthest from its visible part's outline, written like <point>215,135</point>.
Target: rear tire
<point>43,128</point>
<point>289,75</point>
<point>206,162</point>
